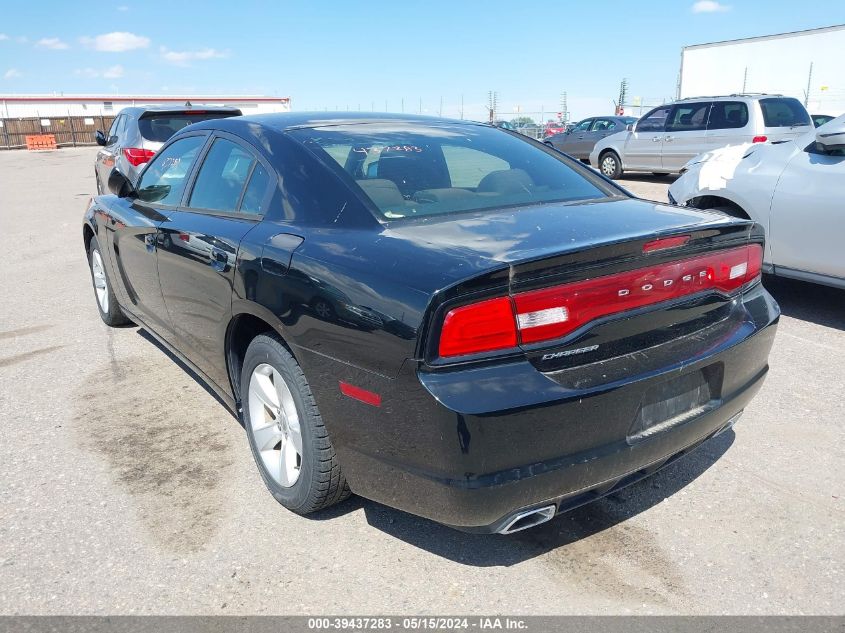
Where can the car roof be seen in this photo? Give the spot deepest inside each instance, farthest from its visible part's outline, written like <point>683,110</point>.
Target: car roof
<point>285,121</point>
<point>731,97</point>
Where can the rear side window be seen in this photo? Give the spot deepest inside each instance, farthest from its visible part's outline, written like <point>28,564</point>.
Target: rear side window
<point>688,117</point>
<point>253,200</point>
<point>163,181</point>
<point>655,120</point>
<point>603,125</point>
<point>726,115</point>
<point>160,127</point>
<point>784,112</point>
<point>222,177</point>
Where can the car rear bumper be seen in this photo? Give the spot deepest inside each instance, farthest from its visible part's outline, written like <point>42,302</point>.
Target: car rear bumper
<point>471,448</point>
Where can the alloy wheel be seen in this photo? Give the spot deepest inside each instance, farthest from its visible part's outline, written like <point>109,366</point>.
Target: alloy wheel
<point>274,422</point>
<point>100,283</point>
<point>608,166</point>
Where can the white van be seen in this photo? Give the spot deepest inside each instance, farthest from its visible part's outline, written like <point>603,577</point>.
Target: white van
<point>668,136</point>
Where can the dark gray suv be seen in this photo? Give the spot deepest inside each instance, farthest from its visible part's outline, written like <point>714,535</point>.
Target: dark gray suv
<point>137,134</point>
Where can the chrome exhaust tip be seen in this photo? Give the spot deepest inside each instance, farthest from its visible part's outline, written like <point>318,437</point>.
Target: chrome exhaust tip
<point>528,519</point>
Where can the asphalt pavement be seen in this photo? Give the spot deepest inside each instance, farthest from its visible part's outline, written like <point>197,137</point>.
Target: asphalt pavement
<point>126,488</point>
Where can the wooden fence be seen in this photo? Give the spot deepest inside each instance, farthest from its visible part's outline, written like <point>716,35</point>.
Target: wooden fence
<point>70,131</point>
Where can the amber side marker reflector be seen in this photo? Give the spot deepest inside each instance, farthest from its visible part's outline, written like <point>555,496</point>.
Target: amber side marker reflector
<point>367,397</point>
<point>664,243</point>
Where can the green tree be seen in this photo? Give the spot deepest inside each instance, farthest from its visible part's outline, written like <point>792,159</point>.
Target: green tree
<point>522,121</point>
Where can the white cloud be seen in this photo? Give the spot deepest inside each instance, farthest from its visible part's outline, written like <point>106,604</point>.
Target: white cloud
<point>90,73</point>
<point>113,72</point>
<point>184,58</point>
<point>116,42</point>
<point>123,7</point>
<point>709,6</point>
<point>53,43</point>
<point>22,39</point>
<point>3,36</point>
<point>12,73</point>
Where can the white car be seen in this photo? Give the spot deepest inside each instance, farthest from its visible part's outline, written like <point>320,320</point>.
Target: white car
<point>794,189</point>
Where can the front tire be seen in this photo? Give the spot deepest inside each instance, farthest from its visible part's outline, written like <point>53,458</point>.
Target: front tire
<point>610,165</point>
<point>107,305</point>
<point>288,439</point>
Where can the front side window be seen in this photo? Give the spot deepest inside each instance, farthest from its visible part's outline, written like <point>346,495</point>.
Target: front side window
<point>655,120</point>
<point>164,180</point>
<point>583,126</point>
<point>784,112</point>
<point>407,170</point>
<point>688,117</point>
<point>222,177</point>
<point>115,128</point>
<point>726,115</point>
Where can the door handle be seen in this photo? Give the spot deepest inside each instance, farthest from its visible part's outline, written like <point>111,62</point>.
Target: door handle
<point>667,138</point>
<point>656,139</point>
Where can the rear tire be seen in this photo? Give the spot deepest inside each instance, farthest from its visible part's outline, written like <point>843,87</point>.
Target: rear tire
<point>286,434</point>
<point>107,305</point>
<point>609,165</point>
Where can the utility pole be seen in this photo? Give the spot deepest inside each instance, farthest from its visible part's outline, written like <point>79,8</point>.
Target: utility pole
<point>809,82</point>
<point>563,108</point>
<point>403,105</point>
<point>623,92</point>
<point>441,107</point>
<point>492,104</point>
<point>744,79</point>
<point>462,107</point>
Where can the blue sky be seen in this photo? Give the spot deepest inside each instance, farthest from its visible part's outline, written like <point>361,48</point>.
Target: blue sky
<point>374,54</point>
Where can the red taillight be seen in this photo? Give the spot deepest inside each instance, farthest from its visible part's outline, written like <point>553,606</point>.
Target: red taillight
<point>760,139</point>
<point>479,327</point>
<point>550,313</point>
<point>137,156</point>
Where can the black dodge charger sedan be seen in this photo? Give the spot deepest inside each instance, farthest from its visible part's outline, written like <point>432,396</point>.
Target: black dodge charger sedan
<point>439,315</point>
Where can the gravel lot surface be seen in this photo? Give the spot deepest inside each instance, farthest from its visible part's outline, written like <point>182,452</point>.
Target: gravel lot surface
<point>126,488</point>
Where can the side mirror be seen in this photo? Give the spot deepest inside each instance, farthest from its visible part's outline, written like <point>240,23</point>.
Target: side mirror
<point>100,137</point>
<point>831,135</point>
<point>120,185</point>
<point>630,127</point>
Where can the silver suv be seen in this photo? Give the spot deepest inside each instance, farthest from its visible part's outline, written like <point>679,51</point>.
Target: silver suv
<point>667,137</point>
<point>137,134</point>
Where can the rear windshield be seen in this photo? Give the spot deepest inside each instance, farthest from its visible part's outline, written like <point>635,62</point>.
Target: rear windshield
<point>160,127</point>
<point>410,170</point>
<point>784,112</point>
